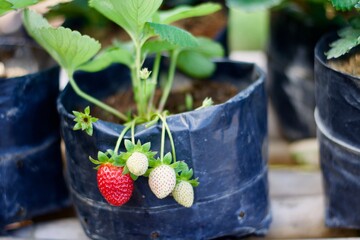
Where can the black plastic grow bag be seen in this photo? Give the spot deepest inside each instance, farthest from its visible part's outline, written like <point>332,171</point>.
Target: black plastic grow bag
<point>290,71</point>
<point>338,121</point>
<point>32,181</point>
<point>226,145</point>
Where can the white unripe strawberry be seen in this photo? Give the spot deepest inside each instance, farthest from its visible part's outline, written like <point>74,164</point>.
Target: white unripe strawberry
<point>162,181</point>
<point>183,193</point>
<point>137,163</point>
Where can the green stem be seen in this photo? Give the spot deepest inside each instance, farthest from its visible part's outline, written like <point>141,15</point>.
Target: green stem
<point>122,134</point>
<point>154,77</point>
<point>133,131</point>
<point>163,119</point>
<point>173,59</point>
<point>95,101</point>
<point>162,142</point>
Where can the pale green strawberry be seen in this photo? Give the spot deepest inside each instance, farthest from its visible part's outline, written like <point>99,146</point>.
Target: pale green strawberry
<point>183,193</point>
<point>137,163</point>
<point>162,180</point>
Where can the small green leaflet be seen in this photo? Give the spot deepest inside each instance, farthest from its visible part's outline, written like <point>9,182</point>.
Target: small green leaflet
<point>106,58</point>
<point>130,15</point>
<point>345,4</point>
<point>182,12</point>
<point>69,48</point>
<point>201,57</point>
<point>349,38</point>
<point>171,34</point>
<point>9,5</point>
<point>252,5</point>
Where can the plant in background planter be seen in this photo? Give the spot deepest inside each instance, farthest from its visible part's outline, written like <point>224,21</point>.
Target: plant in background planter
<point>291,59</point>
<point>337,117</point>
<point>151,154</point>
<point>31,173</point>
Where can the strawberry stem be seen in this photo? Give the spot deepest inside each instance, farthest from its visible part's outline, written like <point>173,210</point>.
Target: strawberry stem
<point>133,131</point>
<point>162,141</point>
<point>122,134</point>
<point>163,119</point>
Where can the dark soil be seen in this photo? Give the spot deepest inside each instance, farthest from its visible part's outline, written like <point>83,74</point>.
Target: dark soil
<point>123,100</point>
<point>206,26</point>
<point>349,64</point>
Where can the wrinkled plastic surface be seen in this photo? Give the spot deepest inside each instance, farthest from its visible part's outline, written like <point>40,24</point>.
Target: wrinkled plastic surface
<point>337,118</point>
<point>225,144</point>
<point>32,181</point>
<point>290,72</point>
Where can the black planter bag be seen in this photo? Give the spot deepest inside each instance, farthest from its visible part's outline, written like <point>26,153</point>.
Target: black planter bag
<point>226,145</point>
<point>338,121</point>
<point>290,71</point>
<point>32,181</point>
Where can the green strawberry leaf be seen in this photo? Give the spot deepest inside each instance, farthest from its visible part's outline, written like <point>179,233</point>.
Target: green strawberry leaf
<point>158,46</point>
<point>172,34</point>
<point>182,167</point>
<point>204,66</point>
<point>129,145</point>
<point>349,38</point>
<point>5,7</point>
<point>69,48</point>
<point>125,170</point>
<point>167,159</point>
<point>10,5</point>
<point>194,182</point>
<point>130,15</point>
<point>201,57</point>
<point>146,147</point>
<point>102,157</point>
<point>94,161</point>
<point>106,58</point>
<point>186,175</point>
<point>345,5</point>
<point>252,5</point>
<point>134,177</point>
<point>182,12</point>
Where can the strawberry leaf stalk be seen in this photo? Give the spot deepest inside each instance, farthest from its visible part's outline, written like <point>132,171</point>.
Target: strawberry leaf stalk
<point>137,158</point>
<point>183,192</point>
<point>115,186</point>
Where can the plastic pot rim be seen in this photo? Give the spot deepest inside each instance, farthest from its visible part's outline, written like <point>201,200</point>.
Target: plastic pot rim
<point>242,94</point>
<point>321,58</point>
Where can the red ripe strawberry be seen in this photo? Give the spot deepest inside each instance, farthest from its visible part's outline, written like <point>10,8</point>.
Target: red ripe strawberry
<point>115,187</point>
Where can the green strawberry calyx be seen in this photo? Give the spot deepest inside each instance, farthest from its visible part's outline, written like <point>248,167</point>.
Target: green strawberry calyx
<point>132,148</point>
<point>167,160</point>
<point>183,173</point>
<point>84,121</point>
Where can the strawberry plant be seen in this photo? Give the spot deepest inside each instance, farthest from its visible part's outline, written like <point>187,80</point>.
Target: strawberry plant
<point>151,33</point>
<point>349,36</point>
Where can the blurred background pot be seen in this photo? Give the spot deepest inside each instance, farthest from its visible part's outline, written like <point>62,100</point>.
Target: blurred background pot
<point>338,121</point>
<point>294,31</point>
<point>31,173</point>
<point>225,144</point>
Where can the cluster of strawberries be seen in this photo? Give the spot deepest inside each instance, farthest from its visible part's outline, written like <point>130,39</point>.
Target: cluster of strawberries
<point>117,173</point>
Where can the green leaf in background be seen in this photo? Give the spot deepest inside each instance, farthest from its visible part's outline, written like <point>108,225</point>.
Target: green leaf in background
<point>69,48</point>
<point>5,7</point>
<point>252,5</point>
<point>157,46</point>
<point>106,58</point>
<point>345,4</point>
<point>349,38</point>
<point>181,12</point>
<point>197,61</point>
<point>130,15</point>
<point>22,3</point>
<point>172,34</point>
<point>9,5</point>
